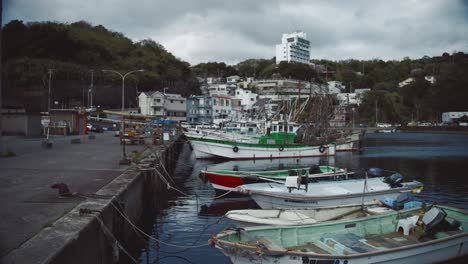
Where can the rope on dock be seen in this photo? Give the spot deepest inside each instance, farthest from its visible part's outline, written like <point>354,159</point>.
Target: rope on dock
<point>152,237</point>
<point>107,232</point>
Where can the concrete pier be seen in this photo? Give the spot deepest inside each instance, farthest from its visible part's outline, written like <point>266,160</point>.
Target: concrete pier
<point>38,226</point>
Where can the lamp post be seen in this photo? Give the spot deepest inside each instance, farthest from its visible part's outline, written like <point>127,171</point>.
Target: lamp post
<point>124,154</point>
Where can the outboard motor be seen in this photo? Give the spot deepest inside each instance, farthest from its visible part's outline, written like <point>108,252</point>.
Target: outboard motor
<point>432,218</point>
<point>434,221</point>
<point>314,169</point>
<point>394,180</point>
<point>375,172</point>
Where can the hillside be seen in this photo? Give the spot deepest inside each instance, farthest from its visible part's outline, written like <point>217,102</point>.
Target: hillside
<point>420,100</point>
<point>73,51</point>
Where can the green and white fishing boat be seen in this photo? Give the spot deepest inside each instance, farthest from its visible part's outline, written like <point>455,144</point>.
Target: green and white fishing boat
<point>414,235</point>
<point>277,142</point>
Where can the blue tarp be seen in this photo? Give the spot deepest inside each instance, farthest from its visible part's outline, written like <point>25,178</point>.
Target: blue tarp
<point>161,122</point>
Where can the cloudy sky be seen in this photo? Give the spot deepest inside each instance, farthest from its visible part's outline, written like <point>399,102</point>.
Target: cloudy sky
<point>234,30</point>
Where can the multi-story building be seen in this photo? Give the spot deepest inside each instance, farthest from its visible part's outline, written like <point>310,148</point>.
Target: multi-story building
<point>278,86</point>
<point>162,105</point>
<point>222,109</point>
<point>218,89</point>
<point>200,109</point>
<point>243,101</point>
<point>294,47</point>
<point>209,109</point>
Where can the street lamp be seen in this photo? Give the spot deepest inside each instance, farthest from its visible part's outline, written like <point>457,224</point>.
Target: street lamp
<point>124,154</point>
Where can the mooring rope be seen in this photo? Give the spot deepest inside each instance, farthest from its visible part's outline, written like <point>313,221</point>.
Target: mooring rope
<point>152,237</point>
<point>109,234</point>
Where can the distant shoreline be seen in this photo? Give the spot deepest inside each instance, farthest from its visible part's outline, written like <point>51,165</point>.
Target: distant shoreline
<point>441,130</point>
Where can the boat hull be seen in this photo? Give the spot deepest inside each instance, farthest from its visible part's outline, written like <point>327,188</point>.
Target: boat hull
<point>347,147</point>
<point>271,202</point>
<point>372,239</point>
<point>291,217</point>
<point>231,150</point>
<point>225,182</point>
<point>326,194</point>
<point>433,253</point>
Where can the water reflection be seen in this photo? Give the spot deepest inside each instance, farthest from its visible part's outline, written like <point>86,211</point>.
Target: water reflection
<point>437,160</point>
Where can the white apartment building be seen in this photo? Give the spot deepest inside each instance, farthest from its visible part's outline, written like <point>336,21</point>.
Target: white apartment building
<point>163,105</point>
<point>218,89</point>
<point>294,47</point>
<point>243,102</point>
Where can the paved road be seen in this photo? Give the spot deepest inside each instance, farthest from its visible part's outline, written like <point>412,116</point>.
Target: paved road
<point>28,204</point>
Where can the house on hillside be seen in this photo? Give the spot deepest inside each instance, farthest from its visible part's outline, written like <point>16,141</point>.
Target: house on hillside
<point>163,105</point>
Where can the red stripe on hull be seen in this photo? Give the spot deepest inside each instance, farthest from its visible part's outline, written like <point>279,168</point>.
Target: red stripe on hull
<point>226,181</point>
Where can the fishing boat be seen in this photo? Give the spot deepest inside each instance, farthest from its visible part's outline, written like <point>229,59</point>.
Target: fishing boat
<point>287,217</point>
<point>416,235</point>
<point>277,217</point>
<point>351,142</point>
<point>229,180</point>
<point>278,141</point>
<point>328,193</point>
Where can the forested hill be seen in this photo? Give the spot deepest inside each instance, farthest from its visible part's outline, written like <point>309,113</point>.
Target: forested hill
<point>72,51</point>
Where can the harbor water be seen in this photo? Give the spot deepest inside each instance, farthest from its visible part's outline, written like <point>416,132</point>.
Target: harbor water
<point>193,215</point>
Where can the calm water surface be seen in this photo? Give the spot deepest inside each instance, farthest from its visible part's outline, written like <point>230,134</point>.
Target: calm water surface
<point>440,161</point>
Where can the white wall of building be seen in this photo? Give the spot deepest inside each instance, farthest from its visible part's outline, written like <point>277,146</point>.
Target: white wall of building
<point>218,89</point>
<point>294,47</point>
<point>247,98</point>
<point>160,105</point>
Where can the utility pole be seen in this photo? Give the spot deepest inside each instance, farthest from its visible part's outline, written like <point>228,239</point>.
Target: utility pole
<point>376,113</point>
<point>91,90</point>
<point>50,90</point>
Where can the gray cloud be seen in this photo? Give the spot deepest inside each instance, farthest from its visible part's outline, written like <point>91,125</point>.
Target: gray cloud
<point>231,31</point>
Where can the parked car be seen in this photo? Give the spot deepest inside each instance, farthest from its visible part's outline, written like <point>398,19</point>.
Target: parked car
<point>96,128</point>
<point>424,124</point>
<point>383,125</point>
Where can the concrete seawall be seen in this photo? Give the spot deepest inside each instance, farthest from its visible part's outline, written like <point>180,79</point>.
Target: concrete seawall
<point>95,230</point>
